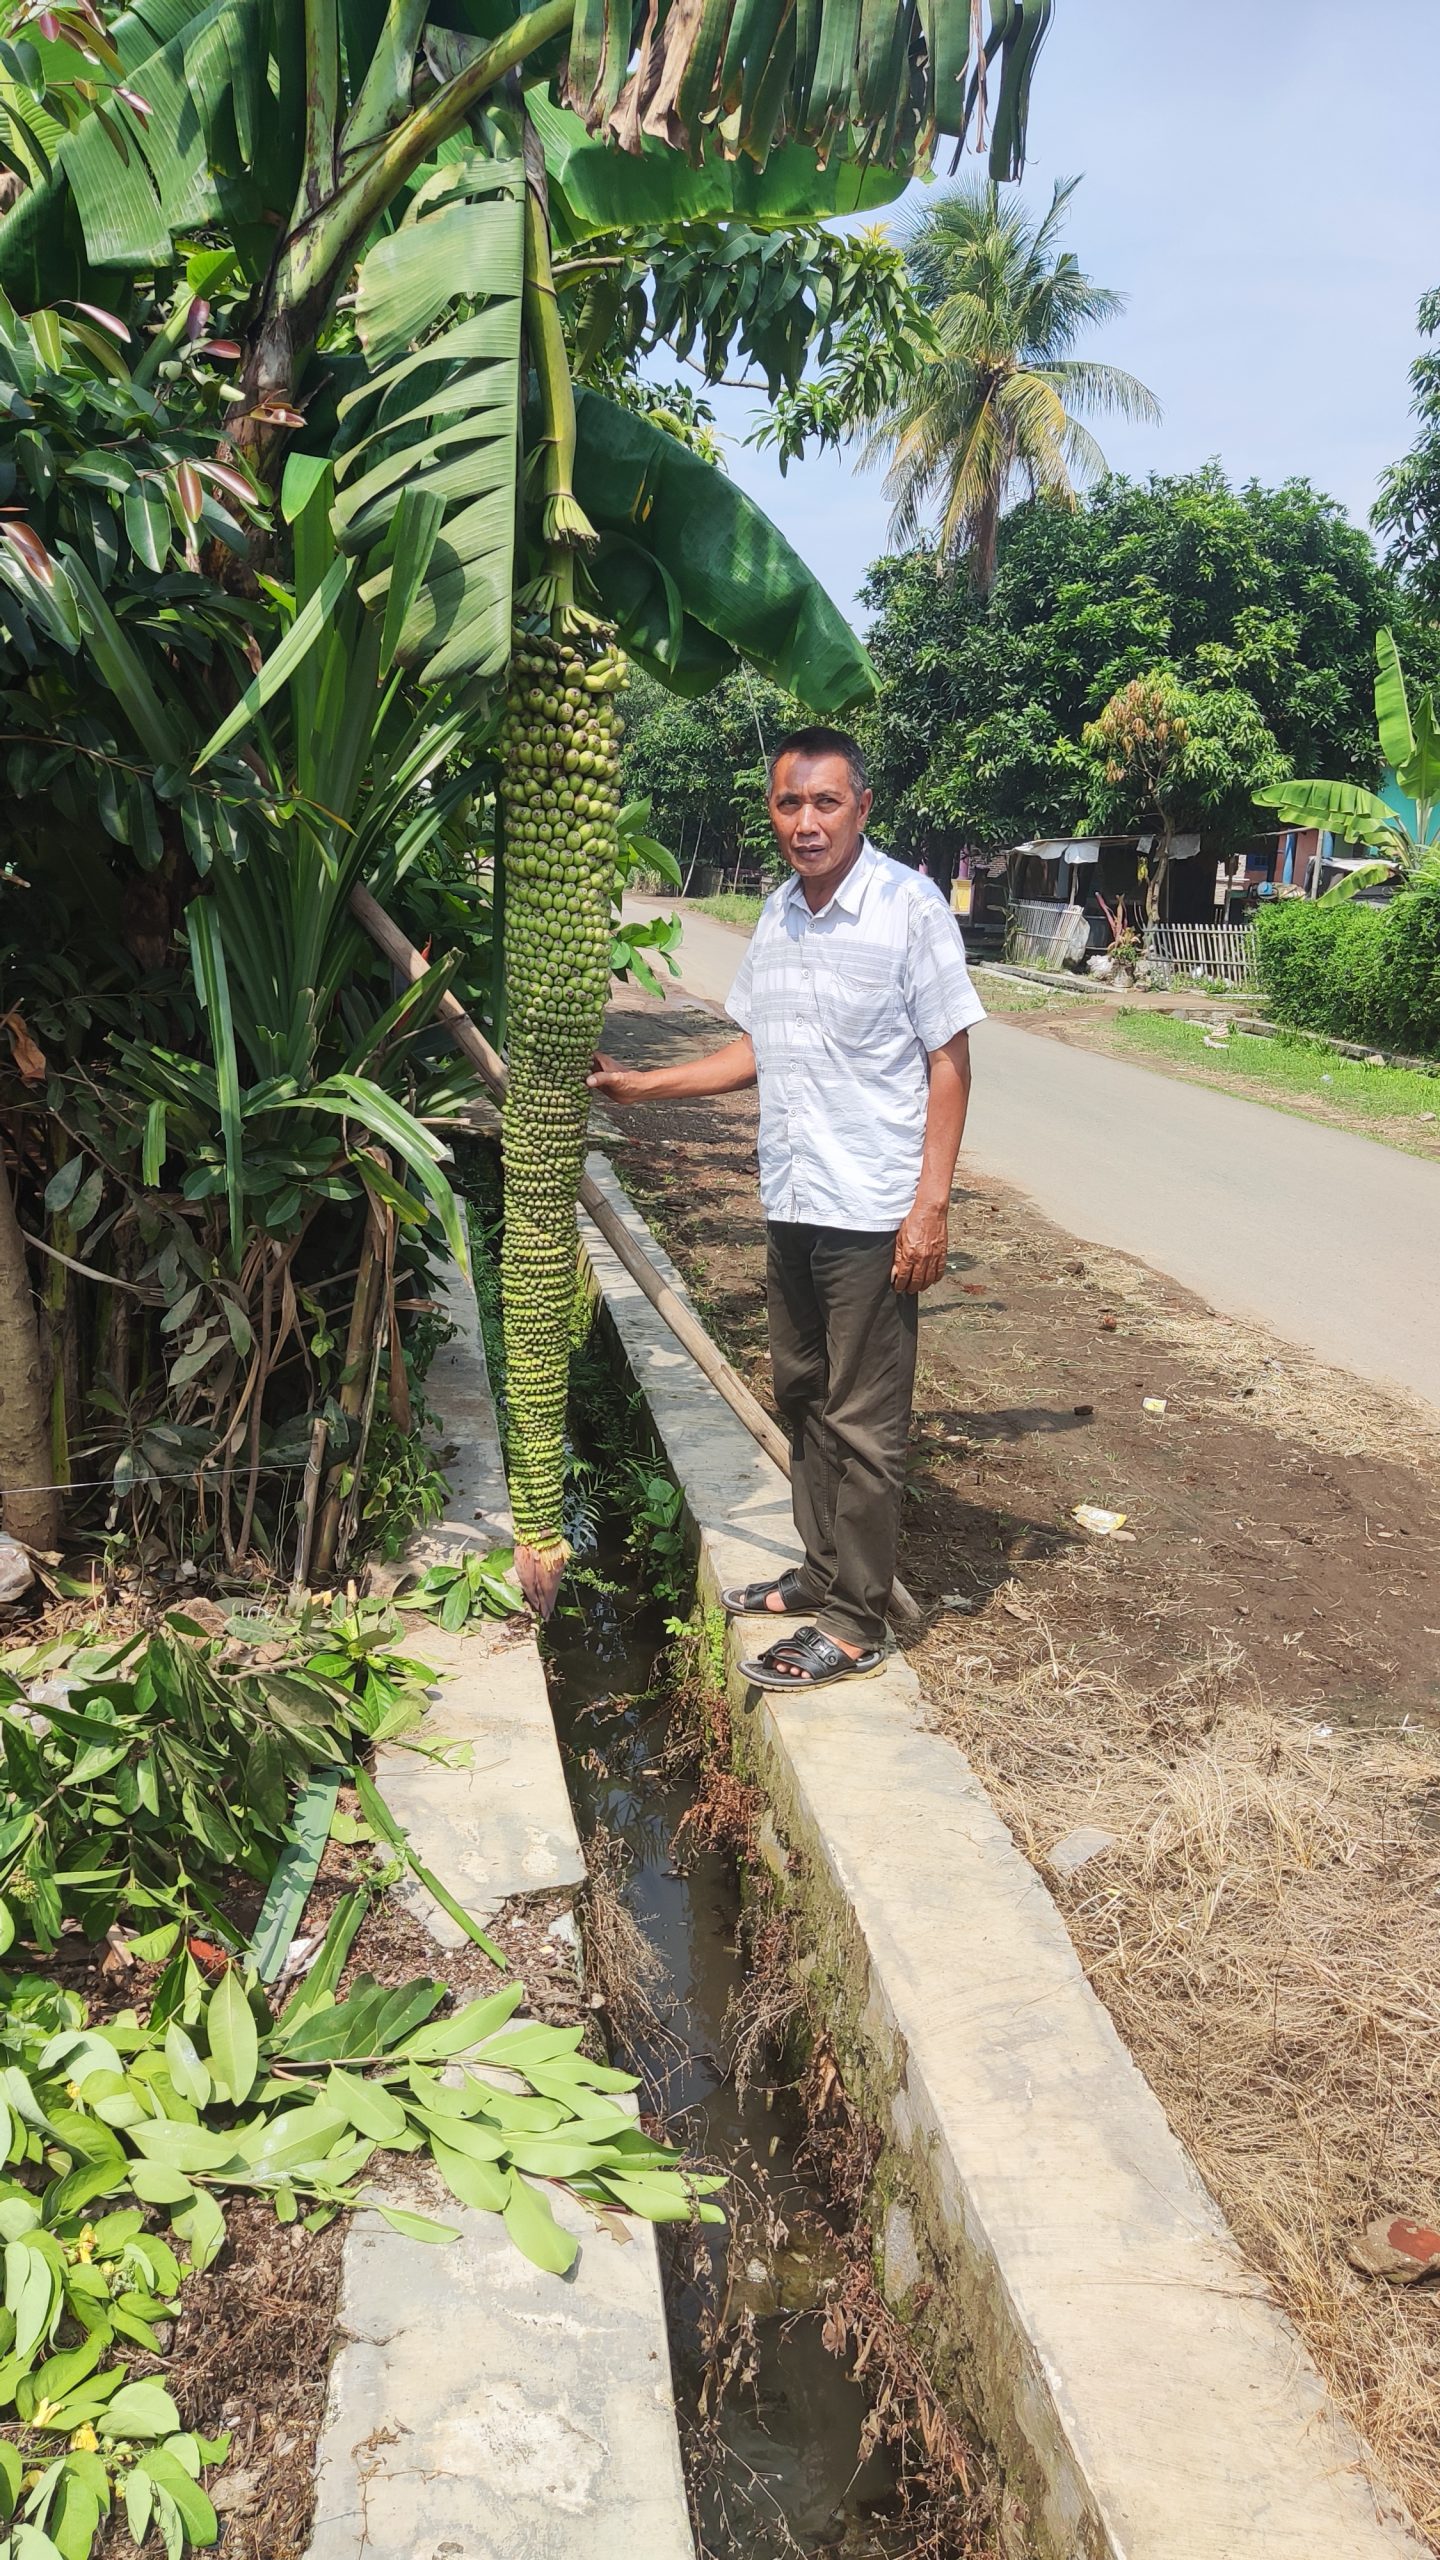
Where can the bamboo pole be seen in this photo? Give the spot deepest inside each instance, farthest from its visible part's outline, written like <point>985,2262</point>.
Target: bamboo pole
<point>686,1328</point>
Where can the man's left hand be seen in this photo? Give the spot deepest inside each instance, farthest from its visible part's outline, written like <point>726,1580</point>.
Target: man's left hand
<point>920,1250</point>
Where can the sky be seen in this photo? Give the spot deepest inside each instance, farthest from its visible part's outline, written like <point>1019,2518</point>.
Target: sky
<point>1264,186</point>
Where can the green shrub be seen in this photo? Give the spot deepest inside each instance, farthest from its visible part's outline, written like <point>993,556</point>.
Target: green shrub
<point>1369,974</point>
<point>1409,970</point>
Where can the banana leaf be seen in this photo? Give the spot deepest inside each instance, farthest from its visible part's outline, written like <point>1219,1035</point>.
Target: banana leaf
<point>220,141</point>
<point>722,582</point>
<point>594,188</point>
<point>1342,808</point>
<point>435,423</point>
<point>1392,706</point>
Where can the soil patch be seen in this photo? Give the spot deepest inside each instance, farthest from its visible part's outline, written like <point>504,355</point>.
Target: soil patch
<point>1240,1694</point>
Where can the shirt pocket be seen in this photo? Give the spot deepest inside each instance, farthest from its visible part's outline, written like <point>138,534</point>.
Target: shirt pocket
<point>860,1003</point>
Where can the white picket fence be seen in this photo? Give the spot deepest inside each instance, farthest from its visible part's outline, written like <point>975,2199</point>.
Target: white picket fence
<point>1225,952</point>
<point>1043,936</point>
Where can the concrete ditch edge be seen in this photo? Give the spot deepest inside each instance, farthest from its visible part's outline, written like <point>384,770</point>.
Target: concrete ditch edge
<point>1069,2278</point>
<point>476,2406</point>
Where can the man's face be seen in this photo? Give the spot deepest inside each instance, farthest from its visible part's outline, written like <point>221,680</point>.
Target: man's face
<point>818,815</point>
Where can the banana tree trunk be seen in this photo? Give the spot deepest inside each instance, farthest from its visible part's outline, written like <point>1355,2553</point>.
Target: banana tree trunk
<point>32,1517</point>
<point>336,212</point>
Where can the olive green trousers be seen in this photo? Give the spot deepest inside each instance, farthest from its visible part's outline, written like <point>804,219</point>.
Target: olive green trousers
<point>842,1351</point>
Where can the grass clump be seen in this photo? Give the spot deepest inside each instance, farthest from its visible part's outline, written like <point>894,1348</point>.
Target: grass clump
<point>730,906</point>
<point>1288,1066</point>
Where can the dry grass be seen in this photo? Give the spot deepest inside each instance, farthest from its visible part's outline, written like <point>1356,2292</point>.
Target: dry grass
<point>1264,1932</point>
<point>625,1975</point>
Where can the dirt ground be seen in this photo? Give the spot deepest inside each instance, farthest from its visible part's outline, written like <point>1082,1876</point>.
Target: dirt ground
<point>1239,1694</point>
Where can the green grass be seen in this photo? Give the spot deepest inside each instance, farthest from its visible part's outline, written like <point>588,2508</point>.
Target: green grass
<point>1288,1068</point>
<point>733,906</point>
<point>1008,995</point>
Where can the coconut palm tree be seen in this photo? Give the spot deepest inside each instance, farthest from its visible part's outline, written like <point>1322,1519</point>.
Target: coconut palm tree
<point>999,410</point>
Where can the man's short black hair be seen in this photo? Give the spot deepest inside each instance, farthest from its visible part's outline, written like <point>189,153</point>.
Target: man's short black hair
<point>822,742</point>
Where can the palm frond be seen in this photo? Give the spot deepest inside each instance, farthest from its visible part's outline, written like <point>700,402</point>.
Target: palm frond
<point>1083,384</point>
<point>998,413</point>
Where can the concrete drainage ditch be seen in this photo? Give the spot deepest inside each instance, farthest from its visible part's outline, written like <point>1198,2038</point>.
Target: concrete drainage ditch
<point>1071,2284</point>
<point>1050,2258</point>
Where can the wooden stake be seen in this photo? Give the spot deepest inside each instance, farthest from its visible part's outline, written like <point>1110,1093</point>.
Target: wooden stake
<point>364,1314</point>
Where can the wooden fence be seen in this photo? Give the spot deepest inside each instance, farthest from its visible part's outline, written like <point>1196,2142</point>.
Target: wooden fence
<point>1225,952</point>
<point>1042,936</point>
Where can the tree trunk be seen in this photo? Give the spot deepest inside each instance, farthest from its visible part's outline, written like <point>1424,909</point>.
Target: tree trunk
<point>1155,886</point>
<point>34,1518</point>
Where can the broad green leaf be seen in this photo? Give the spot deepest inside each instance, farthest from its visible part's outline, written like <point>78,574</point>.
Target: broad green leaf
<point>192,2149</point>
<point>518,2047</point>
<point>74,2518</point>
<point>734,571</point>
<point>595,188</point>
<point>201,2227</point>
<point>445,2037</point>
<point>1420,777</point>
<point>61,1188</point>
<point>533,2228</point>
<point>304,474</point>
<point>366,2104</point>
<point>81,2051</point>
<point>414,2226</point>
<point>155,2183</point>
<point>142,2409</point>
<point>139,2494</point>
<point>1392,707</point>
<point>1350,884</point>
<point>283,2141</point>
<point>234,2044</point>
<point>557,2155</point>
<point>32,2293</point>
<point>30,2543</point>
<point>473,2140</point>
<point>475,2182</point>
<point>1341,808</point>
<point>428,479</point>
<point>59,2374</point>
<point>656,2198</point>
<point>187,2070</point>
<point>196,2512</point>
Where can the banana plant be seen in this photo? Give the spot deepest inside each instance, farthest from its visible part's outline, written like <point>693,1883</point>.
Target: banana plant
<point>295,131</point>
<point>1409,740</point>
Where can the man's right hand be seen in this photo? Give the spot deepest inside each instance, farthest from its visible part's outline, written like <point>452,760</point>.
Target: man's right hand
<point>620,1085</point>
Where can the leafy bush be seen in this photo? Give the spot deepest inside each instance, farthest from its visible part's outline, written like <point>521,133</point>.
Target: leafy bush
<point>1358,973</point>
<point>223,2097</point>
<point>135,1781</point>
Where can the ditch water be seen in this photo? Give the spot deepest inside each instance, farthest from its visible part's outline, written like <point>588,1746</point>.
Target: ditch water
<point>776,2458</point>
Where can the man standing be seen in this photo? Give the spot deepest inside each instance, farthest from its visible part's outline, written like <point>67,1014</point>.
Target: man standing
<point>854,1006</point>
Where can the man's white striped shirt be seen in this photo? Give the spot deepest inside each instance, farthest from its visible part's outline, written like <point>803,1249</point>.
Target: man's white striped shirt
<point>844,1009</point>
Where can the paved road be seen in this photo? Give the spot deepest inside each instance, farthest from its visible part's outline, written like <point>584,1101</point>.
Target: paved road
<point>1331,1240</point>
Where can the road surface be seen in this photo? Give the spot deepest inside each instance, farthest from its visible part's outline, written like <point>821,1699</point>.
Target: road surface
<point>1331,1240</point>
